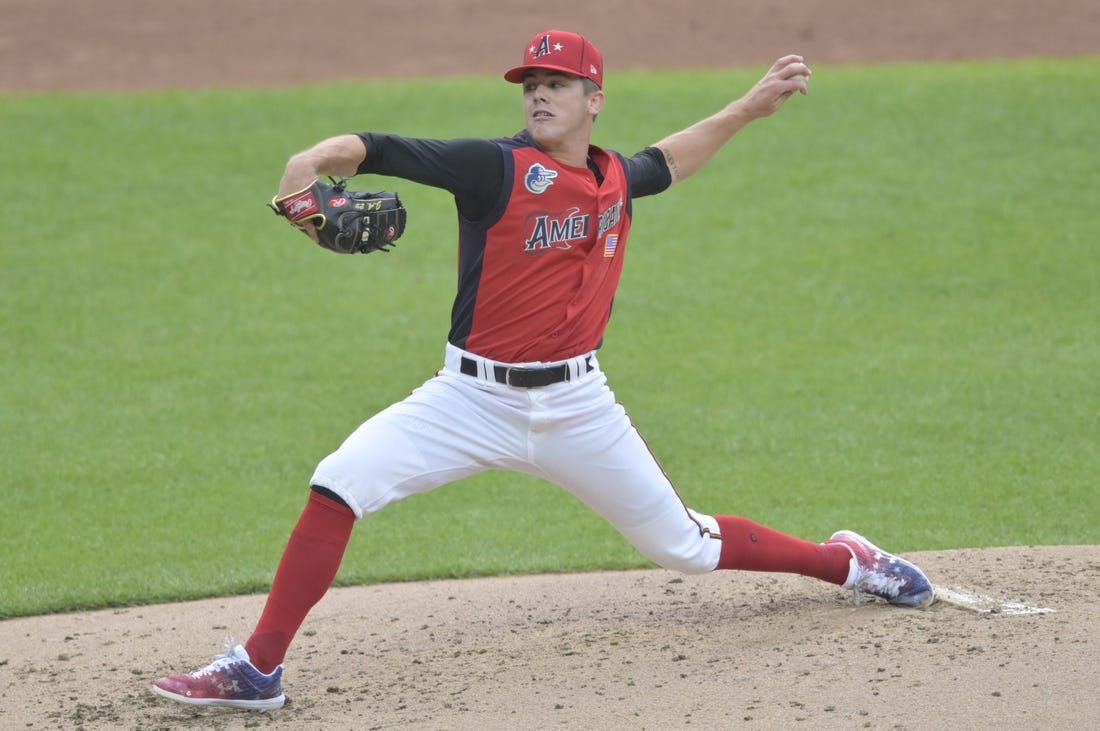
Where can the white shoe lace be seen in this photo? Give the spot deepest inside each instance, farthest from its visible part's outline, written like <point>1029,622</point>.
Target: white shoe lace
<point>222,660</point>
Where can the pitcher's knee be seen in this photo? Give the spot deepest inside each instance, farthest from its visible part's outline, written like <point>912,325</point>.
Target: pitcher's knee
<point>679,541</point>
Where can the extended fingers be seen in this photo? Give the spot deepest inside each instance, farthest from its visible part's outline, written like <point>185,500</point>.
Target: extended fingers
<point>788,61</point>
<point>793,73</point>
<point>790,66</point>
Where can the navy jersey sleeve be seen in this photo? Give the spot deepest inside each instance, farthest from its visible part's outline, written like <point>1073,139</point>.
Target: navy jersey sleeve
<point>471,169</point>
<point>647,173</point>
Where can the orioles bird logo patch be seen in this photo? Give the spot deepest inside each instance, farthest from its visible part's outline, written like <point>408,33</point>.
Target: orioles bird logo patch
<point>539,178</point>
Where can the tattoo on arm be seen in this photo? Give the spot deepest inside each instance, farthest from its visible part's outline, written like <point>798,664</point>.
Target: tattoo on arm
<point>671,162</point>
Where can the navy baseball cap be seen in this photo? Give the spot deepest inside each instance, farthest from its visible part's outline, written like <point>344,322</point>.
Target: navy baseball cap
<point>560,50</point>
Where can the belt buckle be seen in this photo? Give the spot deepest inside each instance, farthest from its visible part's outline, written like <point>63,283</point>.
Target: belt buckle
<point>508,375</point>
<point>532,378</point>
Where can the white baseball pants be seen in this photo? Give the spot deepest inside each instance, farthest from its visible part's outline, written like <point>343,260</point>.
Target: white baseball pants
<point>573,434</point>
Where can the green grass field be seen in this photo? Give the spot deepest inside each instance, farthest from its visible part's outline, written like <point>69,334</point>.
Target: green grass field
<point>878,309</point>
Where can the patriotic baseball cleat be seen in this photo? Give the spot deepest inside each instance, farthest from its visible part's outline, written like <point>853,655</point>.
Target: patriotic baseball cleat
<point>883,574</point>
<point>231,680</point>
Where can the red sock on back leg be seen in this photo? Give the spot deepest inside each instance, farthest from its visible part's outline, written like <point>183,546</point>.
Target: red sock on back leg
<point>749,546</point>
<point>306,570</point>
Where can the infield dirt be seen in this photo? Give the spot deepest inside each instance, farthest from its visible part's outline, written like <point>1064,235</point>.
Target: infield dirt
<point>639,649</point>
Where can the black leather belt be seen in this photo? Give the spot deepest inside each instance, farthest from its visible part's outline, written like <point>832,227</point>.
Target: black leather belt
<point>525,377</point>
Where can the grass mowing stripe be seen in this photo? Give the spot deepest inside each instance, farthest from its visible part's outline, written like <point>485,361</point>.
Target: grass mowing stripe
<point>875,310</point>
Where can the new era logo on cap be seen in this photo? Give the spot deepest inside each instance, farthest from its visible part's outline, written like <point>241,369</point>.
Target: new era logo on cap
<point>560,50</point>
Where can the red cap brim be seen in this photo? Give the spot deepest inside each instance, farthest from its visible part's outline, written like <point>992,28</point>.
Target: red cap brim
<point>516,75</point>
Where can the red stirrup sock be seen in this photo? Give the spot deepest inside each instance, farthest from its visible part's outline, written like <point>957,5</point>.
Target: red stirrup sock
<point>306,570</point>
<point>749,546</point>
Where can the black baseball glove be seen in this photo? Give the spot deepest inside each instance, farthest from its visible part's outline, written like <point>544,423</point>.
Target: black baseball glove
<point>347,222</point>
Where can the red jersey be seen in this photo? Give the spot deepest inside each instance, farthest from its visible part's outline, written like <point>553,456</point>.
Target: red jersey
<point>539,261</point>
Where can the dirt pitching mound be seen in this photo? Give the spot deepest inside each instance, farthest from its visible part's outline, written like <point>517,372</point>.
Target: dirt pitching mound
<point>1016,648</point>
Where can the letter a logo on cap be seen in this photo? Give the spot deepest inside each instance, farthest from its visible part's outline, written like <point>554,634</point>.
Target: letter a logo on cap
<point>543,48</point>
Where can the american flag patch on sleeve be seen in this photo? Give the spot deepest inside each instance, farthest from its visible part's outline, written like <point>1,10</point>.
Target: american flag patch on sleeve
<point>609,245</point>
